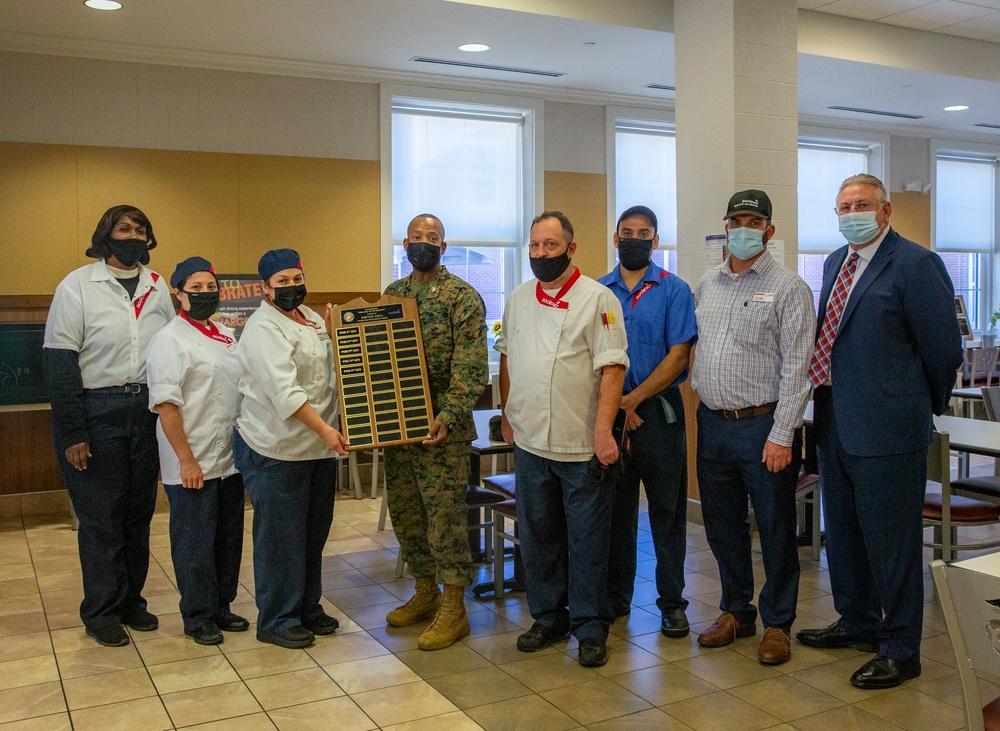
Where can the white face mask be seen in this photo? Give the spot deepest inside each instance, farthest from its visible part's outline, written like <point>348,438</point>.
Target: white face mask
<point>859,228</point>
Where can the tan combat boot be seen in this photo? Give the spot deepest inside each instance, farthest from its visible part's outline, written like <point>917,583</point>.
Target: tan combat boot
<point>422,605</point>
<point>450,623</point>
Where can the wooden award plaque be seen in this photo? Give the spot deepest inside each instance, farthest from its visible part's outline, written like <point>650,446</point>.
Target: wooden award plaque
<point>381,373</point>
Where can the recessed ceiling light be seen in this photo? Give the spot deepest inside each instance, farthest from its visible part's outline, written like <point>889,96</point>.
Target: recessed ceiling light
<point>957,108</point>
<point>474,47</point>
<point>103,4</point>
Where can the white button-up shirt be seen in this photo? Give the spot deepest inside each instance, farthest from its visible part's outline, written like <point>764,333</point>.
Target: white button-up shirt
<point>283,365</point>
<point>92,314</point>
<point>554,360</point>
<point>200,376</point>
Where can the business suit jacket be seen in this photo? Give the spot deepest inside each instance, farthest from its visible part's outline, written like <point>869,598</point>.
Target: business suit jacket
<point>897,350</point>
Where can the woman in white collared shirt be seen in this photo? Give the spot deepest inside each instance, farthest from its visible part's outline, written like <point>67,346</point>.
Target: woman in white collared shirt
<point>285,447</point>
<point>193,385</point>
<point>99,327</point>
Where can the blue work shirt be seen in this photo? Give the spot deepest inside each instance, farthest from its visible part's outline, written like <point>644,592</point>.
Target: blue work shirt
<point>659,314</point>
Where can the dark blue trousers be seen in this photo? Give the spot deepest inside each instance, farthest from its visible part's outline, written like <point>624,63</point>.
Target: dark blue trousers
<point>659,460</point>
<point>874,535</point>
<point>729,471</point>
<point>563,524</point>
<point>114,499</point>
<point>206,546</point>
<point>293,511</point>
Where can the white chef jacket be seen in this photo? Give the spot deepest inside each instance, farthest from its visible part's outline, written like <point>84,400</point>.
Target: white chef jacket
<point>554,360</point>
<point>283,365</point>
<point>92,314</point>
<point>200,376</point>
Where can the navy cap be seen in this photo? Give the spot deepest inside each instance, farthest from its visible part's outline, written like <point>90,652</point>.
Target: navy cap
<point>188,267</point>
<point>750,201</point>
<point>277,260</point>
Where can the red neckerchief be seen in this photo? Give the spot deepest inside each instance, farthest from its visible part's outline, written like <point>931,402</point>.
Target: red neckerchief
<point>212,331</point>
<point>141,302</point>
<point>557,301</point>
<point>645,288</point>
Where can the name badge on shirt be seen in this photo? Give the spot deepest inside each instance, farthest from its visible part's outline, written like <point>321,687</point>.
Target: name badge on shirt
<point>763,296</point>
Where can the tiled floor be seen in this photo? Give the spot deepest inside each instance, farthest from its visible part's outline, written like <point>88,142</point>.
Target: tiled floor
<point>369,676</point>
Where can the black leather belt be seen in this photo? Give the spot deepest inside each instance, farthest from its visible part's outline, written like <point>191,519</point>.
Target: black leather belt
<point>747,412</point>
<point>128,388</point>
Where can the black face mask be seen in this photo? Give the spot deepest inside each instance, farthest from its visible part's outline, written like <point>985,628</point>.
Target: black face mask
<point>423,256</point>
<point>290,297</point>
<point>129,252</point>
<point>549,269</point>
<point>633,254</point>
<point>202,304</point>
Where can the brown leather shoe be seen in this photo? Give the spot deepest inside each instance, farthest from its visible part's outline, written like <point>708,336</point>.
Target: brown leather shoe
<point>775,646</point>
<point>725,630</point>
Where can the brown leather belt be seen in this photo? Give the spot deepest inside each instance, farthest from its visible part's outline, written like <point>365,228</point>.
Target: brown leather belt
<point>747,412</point>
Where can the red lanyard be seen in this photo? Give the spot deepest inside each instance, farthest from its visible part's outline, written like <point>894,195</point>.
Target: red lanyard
<point>642,290</point>
<point>209,332</point>
<point>557,301</point>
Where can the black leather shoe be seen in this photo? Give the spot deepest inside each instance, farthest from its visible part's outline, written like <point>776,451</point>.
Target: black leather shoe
<point>113,635</point>
<point>207,634</point>
<point>884,672</point>
<point>674,623</point>
<point>322,624</point>
<point>593,653</point>
<point>539,637</point>
<point>141,621</point>
<point>836,635</point>
<point>294,638</point>
<point>230,622</point>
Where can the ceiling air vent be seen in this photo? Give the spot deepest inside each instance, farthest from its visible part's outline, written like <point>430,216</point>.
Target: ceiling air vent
<point>988,126</point>
<point>487,66</point>
<point>661,87</point>
<point>897,115</point>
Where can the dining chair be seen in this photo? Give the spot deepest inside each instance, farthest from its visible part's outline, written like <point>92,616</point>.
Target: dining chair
<point>946,512</point>
<point>970,617</point>
<point>982,369</point>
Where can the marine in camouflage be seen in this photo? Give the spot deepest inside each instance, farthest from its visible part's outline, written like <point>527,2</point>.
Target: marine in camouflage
<point>427,483</point>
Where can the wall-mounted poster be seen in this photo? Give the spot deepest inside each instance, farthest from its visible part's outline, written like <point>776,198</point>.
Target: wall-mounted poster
<point>239,296</point>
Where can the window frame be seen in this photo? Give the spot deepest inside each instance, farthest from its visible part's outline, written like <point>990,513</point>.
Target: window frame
<point>975,151</point>
<point>532,156</point>
<point>614,115</point>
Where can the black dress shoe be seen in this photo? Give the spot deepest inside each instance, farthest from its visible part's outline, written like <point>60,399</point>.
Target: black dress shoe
<point>836,635</point>
<point>294,638</point>
<point>593,653</point>
<point>114,635</point>
<point>207,634</point>
<point>884,672</point>
<point>322,624</point>
<point>230,622</point>
<point>674,623</point>
<point>539,637</point>
<point>141,621</point>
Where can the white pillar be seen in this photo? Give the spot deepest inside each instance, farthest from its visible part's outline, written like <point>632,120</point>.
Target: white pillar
<point>737,117</point>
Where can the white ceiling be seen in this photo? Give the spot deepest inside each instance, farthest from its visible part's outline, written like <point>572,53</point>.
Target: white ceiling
<point>978,19</point>
<point>379,38</point>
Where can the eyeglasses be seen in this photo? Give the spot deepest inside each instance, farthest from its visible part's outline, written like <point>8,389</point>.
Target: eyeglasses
<point>860,207</point>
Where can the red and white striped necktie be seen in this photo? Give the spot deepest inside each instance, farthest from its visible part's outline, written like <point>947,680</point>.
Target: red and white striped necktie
<point>819,368</point>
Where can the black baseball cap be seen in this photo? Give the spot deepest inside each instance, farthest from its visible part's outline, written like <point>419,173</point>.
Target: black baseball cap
<point>750,201</point>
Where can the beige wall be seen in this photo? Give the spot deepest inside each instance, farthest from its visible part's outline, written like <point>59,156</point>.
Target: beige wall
<point>227,208</point>
<point>583,198</point>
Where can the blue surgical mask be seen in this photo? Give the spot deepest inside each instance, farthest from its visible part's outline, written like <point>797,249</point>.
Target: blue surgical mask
<point>745,243</point>
<point>859,228</point>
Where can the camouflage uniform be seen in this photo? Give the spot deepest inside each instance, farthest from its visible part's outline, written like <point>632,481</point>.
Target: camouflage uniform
<point>426,484</point>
